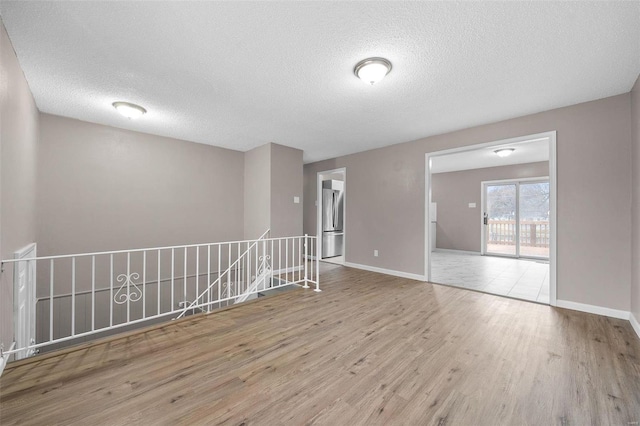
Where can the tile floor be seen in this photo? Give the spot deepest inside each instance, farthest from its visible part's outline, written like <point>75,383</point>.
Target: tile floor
<point>517,278</point>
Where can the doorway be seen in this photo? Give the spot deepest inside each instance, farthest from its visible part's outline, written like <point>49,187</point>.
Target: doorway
<point>24,278</point>
<point>466,264</point>
<point>516,218</point>
<point>331,199</point>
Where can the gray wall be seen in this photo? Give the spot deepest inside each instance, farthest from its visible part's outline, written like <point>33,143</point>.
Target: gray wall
<point>273,176</point>
<point>102,188</point>
<point>458,226</point>
<point>286,183</point>
<point>385,206</point>
<point>18,159</point>
<point>257,191</point>
<point>635,214</point>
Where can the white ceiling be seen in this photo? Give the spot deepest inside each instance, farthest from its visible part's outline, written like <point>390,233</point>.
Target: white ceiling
<point>525,152</point>
<point>241,74</point>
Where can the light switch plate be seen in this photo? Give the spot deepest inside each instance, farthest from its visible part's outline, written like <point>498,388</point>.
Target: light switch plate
<point>375,253</point>
<point>296,200</point>
<point>472,205</point>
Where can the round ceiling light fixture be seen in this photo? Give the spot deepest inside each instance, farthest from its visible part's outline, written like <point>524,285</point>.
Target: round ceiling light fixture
<point>129,110</point>
<point>372,70</point>
<point>504,152</point>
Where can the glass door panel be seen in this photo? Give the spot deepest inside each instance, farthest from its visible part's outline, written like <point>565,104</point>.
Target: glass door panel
<point>534,219</point>
<point>500,219</point>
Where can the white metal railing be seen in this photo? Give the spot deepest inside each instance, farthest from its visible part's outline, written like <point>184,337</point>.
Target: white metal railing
<point>87,295</point>
<point>266,264</point>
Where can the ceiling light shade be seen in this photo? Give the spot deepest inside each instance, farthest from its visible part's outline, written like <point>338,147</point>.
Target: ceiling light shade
<point>129,110</point>
<point>504,152</point>
<point>372,70</point>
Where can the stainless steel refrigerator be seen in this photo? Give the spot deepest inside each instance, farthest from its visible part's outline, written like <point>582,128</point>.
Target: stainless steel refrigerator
<point>332,218</point>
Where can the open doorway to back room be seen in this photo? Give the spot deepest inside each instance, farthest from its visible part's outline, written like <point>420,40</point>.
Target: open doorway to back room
<point>491,214</point>
<point>331,200</point>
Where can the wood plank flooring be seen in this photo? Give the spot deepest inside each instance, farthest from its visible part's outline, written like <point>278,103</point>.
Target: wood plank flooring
<point>369,349</point>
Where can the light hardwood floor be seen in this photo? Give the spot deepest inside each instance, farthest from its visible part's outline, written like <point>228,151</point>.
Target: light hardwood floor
<point>369,349</point>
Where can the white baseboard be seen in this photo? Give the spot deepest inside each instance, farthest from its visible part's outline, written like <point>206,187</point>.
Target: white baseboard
<point>441,250</point>
<point>386,271</point>
<point>5,358</point>
<point>592,309</point>
<point>634,324</point>
<point>288,270</point>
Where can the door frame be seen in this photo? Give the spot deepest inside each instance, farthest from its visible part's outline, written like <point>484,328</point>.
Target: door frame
<point>25,253</point>
<point>553,181</point>
<point>342,170</point>
<point>483,208</point>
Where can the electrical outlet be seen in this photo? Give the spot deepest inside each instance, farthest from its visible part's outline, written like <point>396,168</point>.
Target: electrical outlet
<point>472,205</point>
<point>296,200</point>
<point>375,253</point>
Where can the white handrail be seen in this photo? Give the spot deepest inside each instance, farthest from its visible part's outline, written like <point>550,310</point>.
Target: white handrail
<point>99,253</point>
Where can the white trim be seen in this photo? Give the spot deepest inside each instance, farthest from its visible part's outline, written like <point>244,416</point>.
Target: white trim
<point>5,358</point>
<point>592,309</point>
<point>427,217</point>
<point>510,141</point>
<point>342,170</point>
<point>475,253</point>
<point>531,179</point>
<point>553,261</point>
<point>634,324</point>
<point>333,261</point>
<point>386,271</point>
<point>553,220</point>
<point>483,209</point>
<point>28,252</point>
<point>287,270</point>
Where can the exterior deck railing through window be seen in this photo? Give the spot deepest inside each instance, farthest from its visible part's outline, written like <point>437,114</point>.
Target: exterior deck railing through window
<point>532,233</point>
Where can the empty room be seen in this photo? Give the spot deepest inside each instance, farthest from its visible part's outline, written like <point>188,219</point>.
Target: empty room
<point>338,213</point>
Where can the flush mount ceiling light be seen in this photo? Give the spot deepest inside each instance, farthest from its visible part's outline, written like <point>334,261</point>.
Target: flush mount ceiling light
<point>504,152</point>
<point>129,110</point>
<point>372,70</point>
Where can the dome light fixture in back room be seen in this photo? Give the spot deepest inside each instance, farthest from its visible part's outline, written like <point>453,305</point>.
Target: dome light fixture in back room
<point>372,70</point>
<point>504,152</point>
<point>129,110</point>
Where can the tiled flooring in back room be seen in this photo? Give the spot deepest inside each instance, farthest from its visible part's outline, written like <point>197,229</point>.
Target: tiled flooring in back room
<point>519,278</point>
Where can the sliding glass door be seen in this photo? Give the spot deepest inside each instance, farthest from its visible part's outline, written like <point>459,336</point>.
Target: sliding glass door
<point>534,219</point>
<point>516,218</point>
<point>500,219</point>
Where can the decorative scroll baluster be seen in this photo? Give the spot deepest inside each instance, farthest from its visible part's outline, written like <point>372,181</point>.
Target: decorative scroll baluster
<point>129,290</point>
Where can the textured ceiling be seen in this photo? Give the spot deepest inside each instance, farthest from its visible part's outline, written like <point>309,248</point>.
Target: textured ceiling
<point>525,152</point>
<point>241,74</point>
